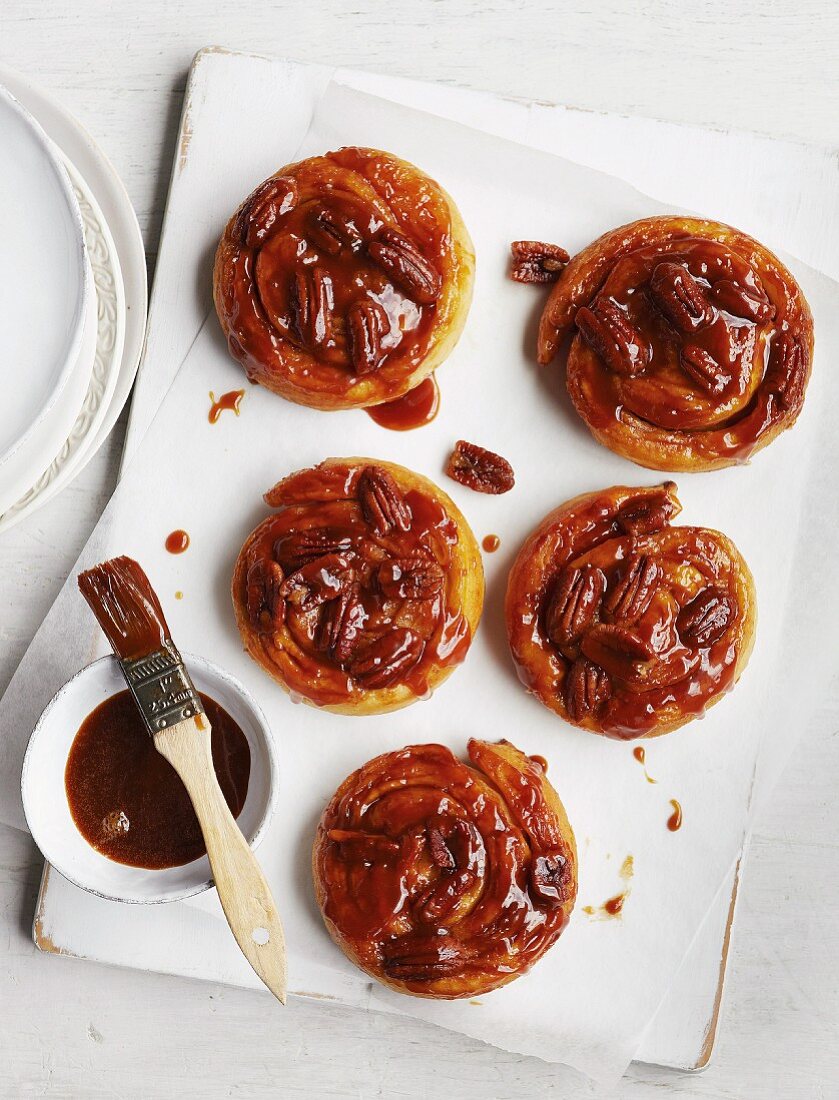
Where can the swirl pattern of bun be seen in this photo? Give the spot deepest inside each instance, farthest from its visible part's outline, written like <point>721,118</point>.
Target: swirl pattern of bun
<point>623,624</point>
<point>692,343</point>
<point>444,879</point>
<point>362,593</point>
<point>344,279</point>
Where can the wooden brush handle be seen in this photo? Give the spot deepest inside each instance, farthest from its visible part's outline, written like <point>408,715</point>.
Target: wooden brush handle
<point>242,889</point>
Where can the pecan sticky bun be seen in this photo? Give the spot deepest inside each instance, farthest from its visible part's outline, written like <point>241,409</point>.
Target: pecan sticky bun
<point>363,591</point>
<point>344,279</point>
<point>691,342</point>
<point>623,624</point>
<point>443,879</point>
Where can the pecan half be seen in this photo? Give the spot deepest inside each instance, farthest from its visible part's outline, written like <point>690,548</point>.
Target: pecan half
<point>574,603</point>
<point>330,230</point>
<point>420,958</point>
<point>706,618</point>
<point>651,513</point>
<point>366,324</point>
<point>310,302</point>
<point>340,624</point>
<point>587,687</point>
<point>387,658</point>
<point>258,217</point>
<point>456,848</point>
<point>548,877</point>
<point>611,645</point>
<point>263,598</point>
<point>536,262</point>
<point>747,302</point>
<point>680,297</point>
<point>402,260</point>
<point>703,368</point>
<point>634,592</point>
<point>300,547</point>
<point>410,578</point>
<point>382,503</point>
<point>785,375</point>
<point>318,581</point>
<point>353,844</point>
<point>613,338</point>
<point>480,469</point>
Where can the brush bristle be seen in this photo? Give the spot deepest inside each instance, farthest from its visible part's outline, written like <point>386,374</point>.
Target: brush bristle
<point>126,607</point>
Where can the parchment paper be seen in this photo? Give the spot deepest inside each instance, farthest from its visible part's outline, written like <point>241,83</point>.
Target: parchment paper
<point>588,1001</point>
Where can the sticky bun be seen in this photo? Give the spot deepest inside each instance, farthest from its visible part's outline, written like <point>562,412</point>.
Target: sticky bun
<point>443,879</point>
<point>691,343</point>
<point>344,279</point>
<point>624,624</point>
<point>362,592</point>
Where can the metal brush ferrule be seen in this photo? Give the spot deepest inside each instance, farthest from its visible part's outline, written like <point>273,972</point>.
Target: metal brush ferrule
<point>161,688</point>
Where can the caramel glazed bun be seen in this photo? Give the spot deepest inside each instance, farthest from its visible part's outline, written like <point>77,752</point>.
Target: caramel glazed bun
<point>442,879</point>
<point>692,343</point>
<point>363,592</point>
<point>344,280</point>
<point>623,624</point>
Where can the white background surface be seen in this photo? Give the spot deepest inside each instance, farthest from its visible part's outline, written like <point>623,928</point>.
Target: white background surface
<point>73,1029</point>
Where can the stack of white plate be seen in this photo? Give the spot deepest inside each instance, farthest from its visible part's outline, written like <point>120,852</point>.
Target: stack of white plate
<point>69,346</point>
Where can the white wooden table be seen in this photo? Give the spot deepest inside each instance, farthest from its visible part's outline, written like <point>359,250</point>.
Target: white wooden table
<point>74,1029</point>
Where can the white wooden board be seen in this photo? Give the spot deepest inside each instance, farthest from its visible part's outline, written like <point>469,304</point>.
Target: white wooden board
<point>179,942</point>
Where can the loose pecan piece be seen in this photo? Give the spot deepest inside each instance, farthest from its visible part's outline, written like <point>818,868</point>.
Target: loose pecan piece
<point>574,603</point>
<point>410,578</point>
<point>402,260</point>
<point>263,598</point>
<point>536,262</point>
<point>706,618</point>
<point>353,844</point>
<point>548,878</point>
<point>381,501</point>
<point>651,513</point>
<point>417,958</point>
<point>259,215</point>
<point>366,324</point>
<point>587,687</point>
<point>480,469</point>
<point>387,658</point>
<point>613,338</point>
<point>748,302</point>
<point>300,547</point>
<point>785,375</point>
<point>320,580</point>
<point>330,230</point>
<point>341,622</point>
<point>680,297</point>
<point>611,645</point>
<point>634,592</point>
<point>704,369</point>
<point>310,301</point>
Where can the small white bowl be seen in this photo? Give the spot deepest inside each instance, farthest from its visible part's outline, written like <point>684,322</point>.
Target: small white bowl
<point>45,798</point>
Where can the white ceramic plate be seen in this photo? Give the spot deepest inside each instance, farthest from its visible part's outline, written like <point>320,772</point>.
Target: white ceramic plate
<point>45,277</point>
<point>45,799</point>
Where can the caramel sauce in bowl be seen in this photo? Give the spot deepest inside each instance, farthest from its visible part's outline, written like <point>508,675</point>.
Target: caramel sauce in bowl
<point>48,809</point>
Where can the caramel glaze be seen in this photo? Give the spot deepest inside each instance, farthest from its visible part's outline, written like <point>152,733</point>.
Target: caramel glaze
<point>491,543</point>
<point>445,879</point>
<point>321,565</point>
<point>128,802</point>
<point>674,822</point>
<point>126,607</point>
<point>415,409</point>
<point>748,323</point>
<point>640,755</point>
<point>312,234</point>
<point>652,673</point>
<point>177,541</point>
<point>230,400</point>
